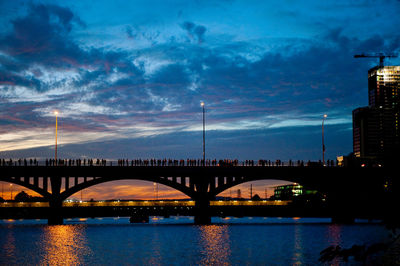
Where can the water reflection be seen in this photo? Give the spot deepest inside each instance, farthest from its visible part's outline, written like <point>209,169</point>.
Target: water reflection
<point>215,244</point>
<point>9,245</point>
<point>334,234</point>
<point>64,245</point>
<point>155,258</point>
<point>298,246</point>
<point>334,239</point>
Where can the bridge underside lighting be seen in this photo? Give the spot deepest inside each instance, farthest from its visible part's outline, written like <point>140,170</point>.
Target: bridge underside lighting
<point>161,204</point>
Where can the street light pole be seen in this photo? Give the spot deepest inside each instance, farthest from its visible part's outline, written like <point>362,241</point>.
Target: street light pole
<point>55,154</point>
<point>11,192</point>
<point>204,133</point>
<point>323,144</point>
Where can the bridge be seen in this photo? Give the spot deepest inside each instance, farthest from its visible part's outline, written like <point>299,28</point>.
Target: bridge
<point>346,187</point>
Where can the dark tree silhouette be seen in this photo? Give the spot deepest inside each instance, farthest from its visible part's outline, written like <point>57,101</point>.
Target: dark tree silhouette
<point>22,196</point>
<point>256,197</point>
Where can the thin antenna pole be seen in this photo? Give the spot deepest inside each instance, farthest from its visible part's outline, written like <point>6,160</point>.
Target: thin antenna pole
<point>204,133</point>
<point>323,142</point>
<point>55,151</point>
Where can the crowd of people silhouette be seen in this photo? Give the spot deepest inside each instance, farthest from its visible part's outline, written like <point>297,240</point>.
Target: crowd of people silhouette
<point>159,162</point>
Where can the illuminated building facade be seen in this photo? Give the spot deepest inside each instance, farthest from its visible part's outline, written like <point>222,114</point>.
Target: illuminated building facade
<point>376,133</point>
<point>384,87</point>
<point>286,192</point>
<point>289,192</point>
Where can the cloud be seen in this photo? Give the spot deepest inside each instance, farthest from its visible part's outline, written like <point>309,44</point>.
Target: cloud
<point>131,33</point>
<point>41,63</point>
<point>195,32</point>
<point>43,137</point>
<point>289,142</point>
<point>40,36</point>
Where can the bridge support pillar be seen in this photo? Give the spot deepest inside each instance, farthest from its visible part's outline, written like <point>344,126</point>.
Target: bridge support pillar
<point>55,213</point>
<point>202,212</point>
<point>342,219</point>
<point>344,210</point>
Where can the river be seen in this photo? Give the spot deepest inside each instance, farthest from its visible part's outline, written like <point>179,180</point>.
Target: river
<point>176,241</point>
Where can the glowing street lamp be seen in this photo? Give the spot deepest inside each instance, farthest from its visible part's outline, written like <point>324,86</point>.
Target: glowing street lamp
<point>155,190</point>
<point>204,133</point>
<point>55,155</point>
<point>323,144</point>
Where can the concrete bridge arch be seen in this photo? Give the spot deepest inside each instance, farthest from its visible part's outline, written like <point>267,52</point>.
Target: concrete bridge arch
<point>169,182</point>
<point>24,182</point>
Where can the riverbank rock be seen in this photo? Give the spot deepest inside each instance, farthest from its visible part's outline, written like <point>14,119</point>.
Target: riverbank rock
<point>392,255</point>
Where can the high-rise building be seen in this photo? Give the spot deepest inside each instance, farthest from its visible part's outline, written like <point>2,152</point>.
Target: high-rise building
<point>384,87</point>
<point>376,133</point>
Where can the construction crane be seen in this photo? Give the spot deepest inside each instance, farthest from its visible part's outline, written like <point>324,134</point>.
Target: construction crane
<point>381,57</point>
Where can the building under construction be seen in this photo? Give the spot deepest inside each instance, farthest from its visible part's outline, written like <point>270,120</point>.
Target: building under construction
<point>376,135</point>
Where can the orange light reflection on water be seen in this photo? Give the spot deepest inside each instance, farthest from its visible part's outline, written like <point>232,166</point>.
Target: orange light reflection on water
<point>9,246</point>
<point>64,245</point>
<point>214,239</point>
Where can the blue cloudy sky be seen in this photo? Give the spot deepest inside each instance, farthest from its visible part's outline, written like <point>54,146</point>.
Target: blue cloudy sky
<point>128,76</point>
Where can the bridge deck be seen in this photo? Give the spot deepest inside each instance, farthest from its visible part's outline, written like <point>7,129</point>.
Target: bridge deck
<point>159,203</point>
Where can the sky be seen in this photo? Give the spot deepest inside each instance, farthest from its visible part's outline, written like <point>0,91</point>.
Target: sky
<point>128,77</point>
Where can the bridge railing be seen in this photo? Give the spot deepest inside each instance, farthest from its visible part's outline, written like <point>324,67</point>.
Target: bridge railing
<point>161,162</point>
